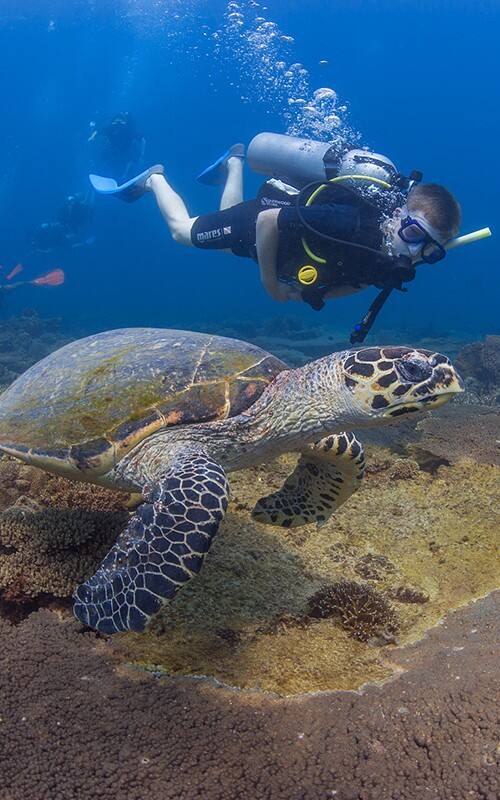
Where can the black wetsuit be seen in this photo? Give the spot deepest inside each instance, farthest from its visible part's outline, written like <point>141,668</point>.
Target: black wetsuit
<point>348,218</point>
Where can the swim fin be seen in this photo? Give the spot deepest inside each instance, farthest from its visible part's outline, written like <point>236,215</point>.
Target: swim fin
<point>215,174</point>
<point>131,190</point>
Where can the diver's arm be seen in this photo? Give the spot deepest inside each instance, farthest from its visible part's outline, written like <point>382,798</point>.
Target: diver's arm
<point>267,239</point>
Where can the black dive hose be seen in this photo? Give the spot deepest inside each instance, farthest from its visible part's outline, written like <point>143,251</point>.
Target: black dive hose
<point>311,187</point>
<point>362,329</point>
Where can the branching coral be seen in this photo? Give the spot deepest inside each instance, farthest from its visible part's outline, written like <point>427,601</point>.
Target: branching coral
<point>52,550</point>
<point>361,610</point>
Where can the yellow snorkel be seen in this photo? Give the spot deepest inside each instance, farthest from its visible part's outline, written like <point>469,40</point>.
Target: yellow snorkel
<point>468,238</point>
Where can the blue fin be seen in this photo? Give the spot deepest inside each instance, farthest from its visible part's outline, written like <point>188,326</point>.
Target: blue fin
<point>215,174</point>
<point>130,190</point>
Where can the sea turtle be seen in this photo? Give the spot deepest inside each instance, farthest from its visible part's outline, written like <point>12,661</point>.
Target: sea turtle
<point>168,413</point>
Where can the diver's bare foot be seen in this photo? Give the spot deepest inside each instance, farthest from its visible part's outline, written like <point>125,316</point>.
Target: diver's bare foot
<point>153,181</point>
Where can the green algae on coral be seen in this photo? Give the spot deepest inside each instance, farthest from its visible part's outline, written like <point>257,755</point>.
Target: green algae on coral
<point>242,621</point>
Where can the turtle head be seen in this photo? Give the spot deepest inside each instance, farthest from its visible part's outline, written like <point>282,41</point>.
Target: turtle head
<point>391,382</point>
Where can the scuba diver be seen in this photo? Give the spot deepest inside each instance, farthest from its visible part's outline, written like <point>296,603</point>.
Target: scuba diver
<point>117,148</point>
<point>324,228</point>
<point>77,212</point>
<point>70,229</point>
<point>47,237</point>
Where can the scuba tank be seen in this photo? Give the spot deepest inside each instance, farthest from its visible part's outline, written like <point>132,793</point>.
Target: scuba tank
<point>301,161</point>
<point>291,159</point>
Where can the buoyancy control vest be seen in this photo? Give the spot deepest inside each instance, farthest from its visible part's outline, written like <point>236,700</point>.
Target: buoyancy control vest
<point>332,237</point>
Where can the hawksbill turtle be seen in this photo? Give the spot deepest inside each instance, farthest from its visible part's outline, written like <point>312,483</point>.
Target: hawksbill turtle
<point>169,413</point>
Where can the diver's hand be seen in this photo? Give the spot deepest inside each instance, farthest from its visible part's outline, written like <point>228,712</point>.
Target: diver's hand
<point>282,292</point>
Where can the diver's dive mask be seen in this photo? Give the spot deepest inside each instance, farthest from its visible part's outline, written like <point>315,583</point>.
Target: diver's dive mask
<point>420,239</point>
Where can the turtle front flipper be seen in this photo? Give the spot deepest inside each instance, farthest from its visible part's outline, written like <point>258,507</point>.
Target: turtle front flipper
<point>326,475</point>
<point>160,550</point>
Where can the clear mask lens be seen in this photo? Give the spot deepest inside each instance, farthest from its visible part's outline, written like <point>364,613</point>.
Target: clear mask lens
<point>412,234</point>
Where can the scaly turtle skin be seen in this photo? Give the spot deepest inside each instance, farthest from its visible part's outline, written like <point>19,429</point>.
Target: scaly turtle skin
<point>169,413</point>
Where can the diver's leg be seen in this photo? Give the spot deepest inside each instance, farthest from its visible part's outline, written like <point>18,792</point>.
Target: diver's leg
<point>233,188</point>
<point>173,209</point>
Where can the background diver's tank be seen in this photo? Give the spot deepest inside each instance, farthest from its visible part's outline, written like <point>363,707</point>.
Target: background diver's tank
<point>301,161</point>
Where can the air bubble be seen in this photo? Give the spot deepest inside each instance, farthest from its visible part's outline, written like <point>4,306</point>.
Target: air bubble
<point>257,53</point>
<point>325,93</point>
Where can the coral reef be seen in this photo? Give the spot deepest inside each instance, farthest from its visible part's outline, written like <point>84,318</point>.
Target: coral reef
<point>53,534</point>
<point>52,550</point>
<point>424,541</point>
<point>23,485</point>
<point>295,340</point>
<point>479,363</point>
<point>79,725</point>
<point>24,340</point>
<point>464,431</point>
<point>361,609</point>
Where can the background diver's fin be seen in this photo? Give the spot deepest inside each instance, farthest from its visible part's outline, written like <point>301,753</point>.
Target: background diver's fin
<point>130,190</point>
<point>215,174</point>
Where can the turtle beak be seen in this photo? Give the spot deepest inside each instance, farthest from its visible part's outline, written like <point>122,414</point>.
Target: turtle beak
<point>444,384</point>
<point>452,385</point>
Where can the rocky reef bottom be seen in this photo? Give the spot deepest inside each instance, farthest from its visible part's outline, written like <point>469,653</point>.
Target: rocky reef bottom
<point>355,662</point>
<point>283,611</point>
<point>79,724</point>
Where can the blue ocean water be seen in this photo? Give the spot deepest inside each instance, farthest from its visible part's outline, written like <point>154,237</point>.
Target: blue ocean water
<point>412,80</point>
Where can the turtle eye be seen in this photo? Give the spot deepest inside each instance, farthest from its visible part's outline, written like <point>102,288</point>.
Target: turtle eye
<point>414,370</point>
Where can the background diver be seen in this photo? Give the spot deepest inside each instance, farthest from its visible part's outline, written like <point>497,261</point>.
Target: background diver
<point>117,148</point>
<point>362,224</point>
<point>71,229</point>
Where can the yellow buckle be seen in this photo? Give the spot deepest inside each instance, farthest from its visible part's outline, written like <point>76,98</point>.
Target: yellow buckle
<point>307,275</point>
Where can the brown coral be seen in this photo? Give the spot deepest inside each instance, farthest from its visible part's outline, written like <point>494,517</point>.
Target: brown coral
<point>404,469</point>
<point>481,361</point>
<point>78,725</point>
<point>18,480</point>
<point>409,594</point>
<point>53,533</point>
<point>362,611</point>
<point>373,566</point>
<point>51,551</point>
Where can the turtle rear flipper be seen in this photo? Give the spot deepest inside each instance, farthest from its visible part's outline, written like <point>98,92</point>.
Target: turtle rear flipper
<point>162,547</point>
<point>326,475</point>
